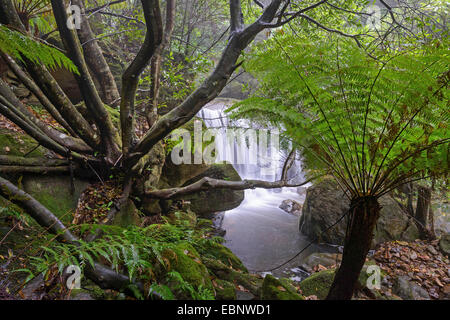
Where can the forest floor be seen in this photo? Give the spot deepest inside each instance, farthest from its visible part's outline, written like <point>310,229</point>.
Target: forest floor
<point>419,263</point>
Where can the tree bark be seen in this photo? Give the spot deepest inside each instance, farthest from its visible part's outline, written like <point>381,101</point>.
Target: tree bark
<point>364,212</point>
<point>130,77</point>
<point>96,61</point>
<point>423,210</point>
<point>157,61</point>
<point>211,183</point>
<point>108,133</point>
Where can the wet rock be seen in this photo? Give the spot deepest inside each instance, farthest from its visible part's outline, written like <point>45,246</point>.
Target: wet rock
<point>324,259</point>
<point>205,202</point>
<point>325,203</point>
<point>275,289</point>
<point>291,207</point>
<point>409,290</point>
<point>318,284</point>
<point>224,290</point>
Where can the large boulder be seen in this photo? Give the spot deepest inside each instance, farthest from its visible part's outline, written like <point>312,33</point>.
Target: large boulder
<point>203,203</point>
<point>54,192</point>
<point>325,203</point>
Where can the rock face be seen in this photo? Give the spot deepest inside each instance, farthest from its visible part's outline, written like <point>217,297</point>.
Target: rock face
<point>291,207</point>
<point>325,203</point>
<point>444,244</point>
<point>54,192</point>
<point>203,203</point>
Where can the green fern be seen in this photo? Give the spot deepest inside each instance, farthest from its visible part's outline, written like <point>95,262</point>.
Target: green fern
<point>21,47</point>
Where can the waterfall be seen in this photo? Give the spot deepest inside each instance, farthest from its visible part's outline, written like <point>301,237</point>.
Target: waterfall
<point>251,156</point>
<point>258,231</point>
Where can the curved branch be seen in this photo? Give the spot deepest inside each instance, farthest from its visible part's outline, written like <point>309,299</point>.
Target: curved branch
<point>130,77</point>
<point>34,89</point>
<point>209,89</point>
<point>22,161</point>
<point>207,183</point>
<point>96,61</point>
<point>48,84</point>
<point>9,99</point>
<point>108,133</point>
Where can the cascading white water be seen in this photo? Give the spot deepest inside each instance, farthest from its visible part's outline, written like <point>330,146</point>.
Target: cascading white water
<point>258,231</point>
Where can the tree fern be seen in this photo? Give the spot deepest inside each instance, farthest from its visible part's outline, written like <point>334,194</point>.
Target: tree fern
<point>372,124</point>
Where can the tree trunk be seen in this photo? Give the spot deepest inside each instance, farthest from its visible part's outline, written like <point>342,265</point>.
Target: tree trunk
<point>362,220</point>
<point>96,61</point>
<point>423,212</point>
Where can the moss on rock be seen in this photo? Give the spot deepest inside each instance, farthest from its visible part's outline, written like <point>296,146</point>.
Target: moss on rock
<point>185,260</point>
<point>318,284</point>
<point>275,289</point>
<point>18,144</point>
<point>54,192</point>
<point>225,290</point>
<point>217,251</point>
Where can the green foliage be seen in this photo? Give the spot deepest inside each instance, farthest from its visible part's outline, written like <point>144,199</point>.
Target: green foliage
<point>20,46</point>
<point>141,253</point>
<point>372,124</point>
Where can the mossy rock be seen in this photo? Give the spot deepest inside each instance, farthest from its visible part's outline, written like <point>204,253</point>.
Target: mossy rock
<point>183,218</point>
<point>275,289</point>
<point>128,215</point>
<point>363,276</point>
<point>54,192</point>
<point>225,290</point>
<point>218,251</point>
<point>249,281</point>
<point>19,144</point>
<point>185,260</point>
<point>318,284</point>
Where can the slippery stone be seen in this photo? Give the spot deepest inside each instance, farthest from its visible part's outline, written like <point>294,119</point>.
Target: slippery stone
<point>275,289</point>
<point>291,207</point>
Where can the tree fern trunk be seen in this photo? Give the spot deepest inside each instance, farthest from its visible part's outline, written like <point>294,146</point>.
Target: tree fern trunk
<point>364,215</point>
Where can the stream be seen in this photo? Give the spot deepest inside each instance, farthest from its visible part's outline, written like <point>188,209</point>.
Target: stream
<point>261,234</point>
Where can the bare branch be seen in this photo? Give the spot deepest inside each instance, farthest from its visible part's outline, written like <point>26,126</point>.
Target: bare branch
<point>130,78</point>
<point>209,89</point>
<point>108,132</point>
<point>207,183</point>
<point>236,16</point>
